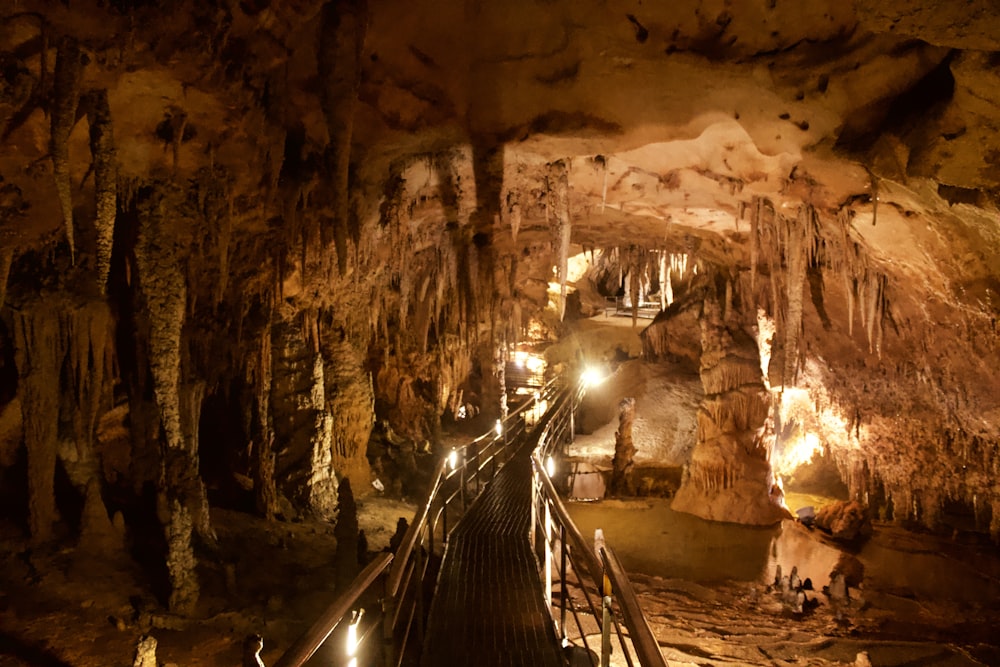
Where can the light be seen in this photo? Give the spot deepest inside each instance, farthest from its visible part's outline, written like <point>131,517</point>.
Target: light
<point>535,363</point>
<point>550,466</point>
<point>453,459</point>
<point>591,377</point>
<point>352,637</point>
<point>499,427</point>
<point>798,452</point>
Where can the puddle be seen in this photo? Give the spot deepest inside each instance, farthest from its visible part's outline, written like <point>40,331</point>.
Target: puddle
<point>651,538</point>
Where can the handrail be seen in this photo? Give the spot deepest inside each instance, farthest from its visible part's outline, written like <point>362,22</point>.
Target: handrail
<point>639,630</point>
<point>313,638</point>
<point>608,581</point>
<point>402,598</point>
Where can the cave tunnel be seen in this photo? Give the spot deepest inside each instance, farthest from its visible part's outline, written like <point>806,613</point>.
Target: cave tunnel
<point>250,250</point>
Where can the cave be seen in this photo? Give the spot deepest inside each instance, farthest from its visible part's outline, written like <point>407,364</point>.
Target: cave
<point>250,250</point>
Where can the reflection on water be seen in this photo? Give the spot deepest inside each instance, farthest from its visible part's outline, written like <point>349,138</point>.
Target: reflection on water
<point>651,538</point>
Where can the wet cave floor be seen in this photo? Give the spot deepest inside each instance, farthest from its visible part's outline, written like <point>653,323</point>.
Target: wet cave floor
<point>705,587</point>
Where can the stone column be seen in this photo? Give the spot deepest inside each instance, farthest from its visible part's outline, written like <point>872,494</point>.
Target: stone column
<point>729,476</point>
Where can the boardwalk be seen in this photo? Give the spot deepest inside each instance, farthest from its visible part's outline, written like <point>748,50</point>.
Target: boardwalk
<point>489,610</point>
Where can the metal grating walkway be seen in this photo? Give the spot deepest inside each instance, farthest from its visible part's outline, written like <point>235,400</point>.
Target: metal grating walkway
<point>489,610</point>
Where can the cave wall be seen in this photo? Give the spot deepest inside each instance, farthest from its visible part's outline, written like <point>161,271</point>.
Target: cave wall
<point>319,216</point>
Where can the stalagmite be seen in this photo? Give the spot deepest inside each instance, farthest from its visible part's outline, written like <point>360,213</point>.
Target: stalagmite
<point>65,97</point>
<point>261,430</point>
<point>145,652</point>
<point>349,401</point>
<point>184,588</point>
<point>623,461</point>
<point>102,150</point>
<point>39,359</point>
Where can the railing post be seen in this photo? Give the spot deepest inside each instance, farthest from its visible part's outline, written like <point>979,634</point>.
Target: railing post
<point>461,481</point>
<point>418,570</point>
<point>534,509</point>
<point>444,518</point>
<point>478,467</point>
<point>562,581</point>
<point>606,625</point>
<point>388,636</point>
<point>548,554</point>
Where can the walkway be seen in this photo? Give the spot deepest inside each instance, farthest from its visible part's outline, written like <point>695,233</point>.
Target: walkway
<point>489,610</point>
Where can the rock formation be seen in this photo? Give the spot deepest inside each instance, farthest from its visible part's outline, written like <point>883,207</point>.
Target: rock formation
<point>244,232</point>
<point>623,463</point>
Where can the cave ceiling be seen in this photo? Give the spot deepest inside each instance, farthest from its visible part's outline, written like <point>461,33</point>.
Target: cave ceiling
<point>669,115</point>
<point>670,119</point>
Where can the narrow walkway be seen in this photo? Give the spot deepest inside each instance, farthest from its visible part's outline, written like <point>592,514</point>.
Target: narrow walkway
<point>489,610</point>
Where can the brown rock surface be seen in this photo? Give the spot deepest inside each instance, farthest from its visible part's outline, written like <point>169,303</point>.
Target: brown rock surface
<point>236,234</point>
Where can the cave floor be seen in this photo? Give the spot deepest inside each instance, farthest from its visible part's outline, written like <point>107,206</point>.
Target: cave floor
<point>64,608</point>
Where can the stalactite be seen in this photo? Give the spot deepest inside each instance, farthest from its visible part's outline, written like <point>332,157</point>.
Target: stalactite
<point>559,194</point>
<point>757,207</point>
<point>849,288</point>
<point>6,260</point>
<point>798,233</point>
<point>225,238</point>
<point>65,98</point>
<point>875,197</point>
<point>182,494</point>
<point>344,28</point>
<point>89,342</point>
<point>995,520</point>
<point>165,294</point>
<point>664,282</point>
<point>633,286</point>
<point>102,149</point>
<point>515,221</point>
<point>670,288</point>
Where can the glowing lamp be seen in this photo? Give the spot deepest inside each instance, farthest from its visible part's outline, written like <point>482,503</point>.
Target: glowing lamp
<point>352,637</point>
<point>499,427</point>
<point>550,466</point>
<point>592,377</point>
<point>453,459</point>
